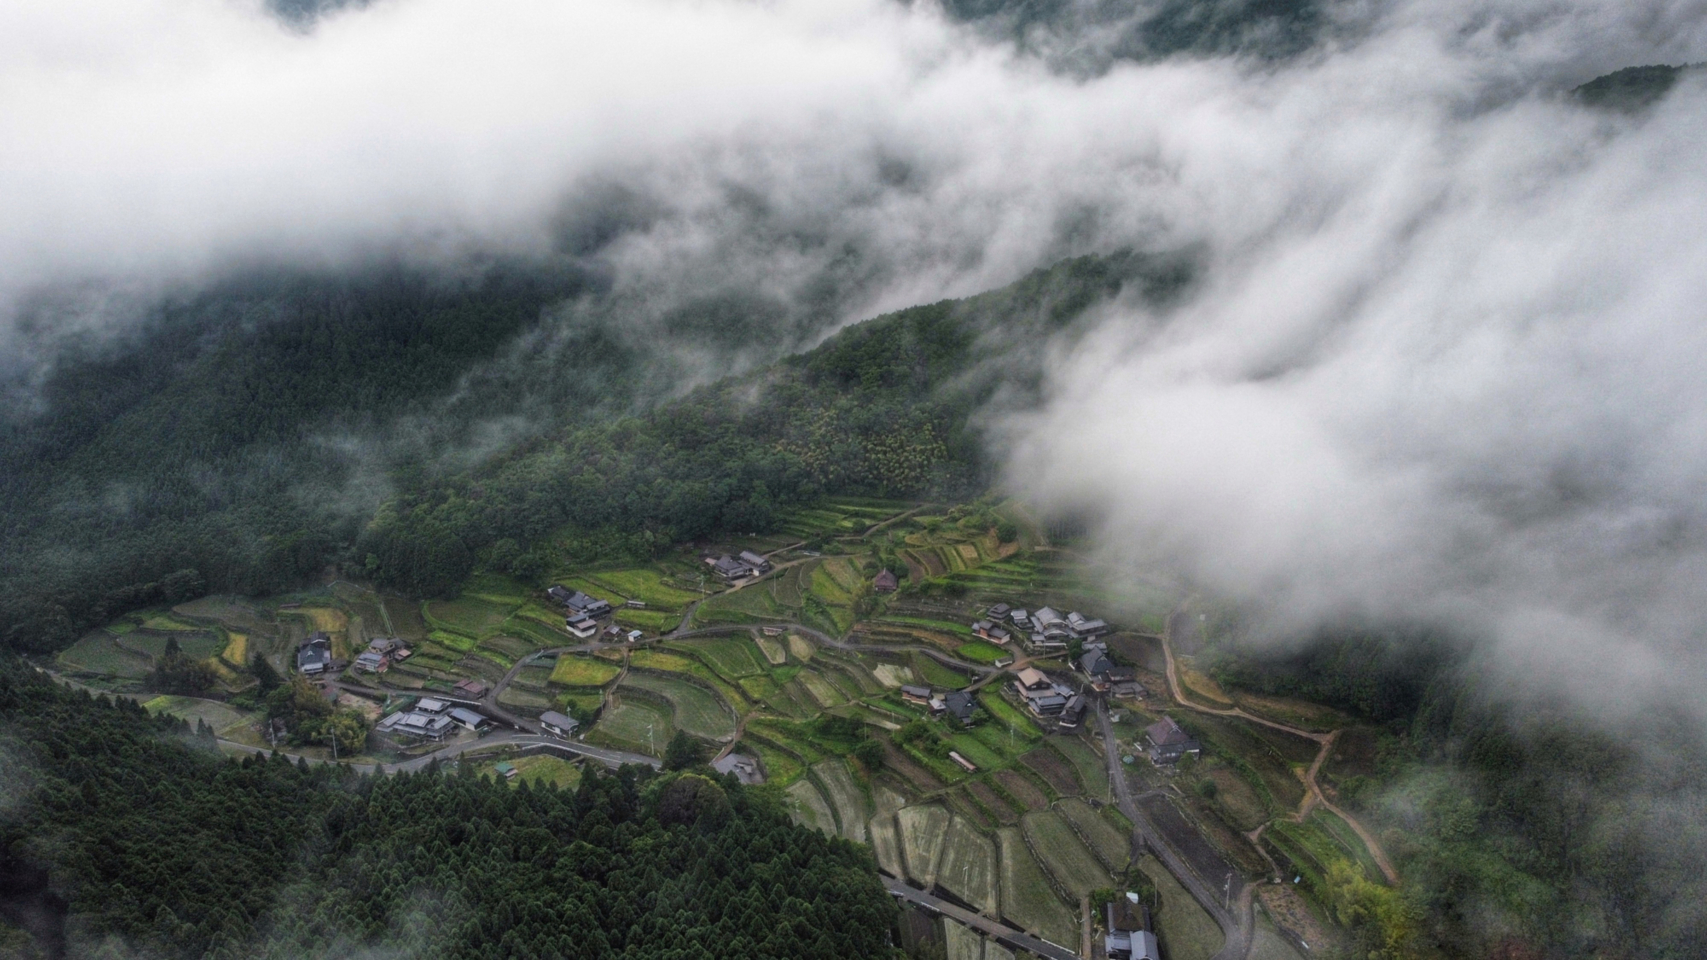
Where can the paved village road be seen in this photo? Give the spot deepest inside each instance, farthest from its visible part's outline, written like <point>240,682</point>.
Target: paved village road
<point>1237,930</point>
<point>1005,935</point>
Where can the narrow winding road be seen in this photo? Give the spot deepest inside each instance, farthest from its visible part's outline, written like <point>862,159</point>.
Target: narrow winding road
<point>1313,791</point>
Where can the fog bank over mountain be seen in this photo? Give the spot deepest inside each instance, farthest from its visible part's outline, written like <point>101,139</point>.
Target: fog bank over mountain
<point>1443,361</point>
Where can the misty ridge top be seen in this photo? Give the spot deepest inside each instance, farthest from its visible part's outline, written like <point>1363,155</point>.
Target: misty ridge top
<point>1633,88</point>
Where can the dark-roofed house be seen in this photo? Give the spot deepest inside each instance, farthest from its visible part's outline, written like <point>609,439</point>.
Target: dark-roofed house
<point>1168,742</point>
<point>960,704</point>
<point>730,568</point>
<point>1097,666</point>
<point>756,561</point>
<point>471,688</point>
<point>1040,643</point>
<point>314,655</point>
<point>580,625</point>
<point>1128,940</point>
<point>1073,713</point>
<point>999,611</point>
<point>1019,618</point>
<point>587,605</point>
<point>468,719</point>
<point>1084,626</point>
<point>990,631</point>
<point>885,582</point>
<point>745,768</point>
<point>560,593</point>
<point>557,724</point>
<point>918,695</point>
<point>373,662</point>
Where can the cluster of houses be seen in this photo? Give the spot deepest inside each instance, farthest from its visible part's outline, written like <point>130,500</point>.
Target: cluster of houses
<point>1105,675</point>
<point>314,655</point>
<point>957,704</point>
<point>584,610</point>
<point>432,720</point>
<point>1046,698</point>
<point>1041,631</point>
<point>739,567</point>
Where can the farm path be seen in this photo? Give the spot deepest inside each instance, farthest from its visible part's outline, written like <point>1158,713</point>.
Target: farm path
<point>1313,795</point>
<point>1236,930</point>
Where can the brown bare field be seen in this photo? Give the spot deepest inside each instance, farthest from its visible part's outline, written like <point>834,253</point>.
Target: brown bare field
<point>1353,754</point>
<point>1145,652</point>
<point>966,810</point>
<point>992,801</point>
<point>1054,769</point>
<point>1243,808</point>
<point>1022,789</point>
<point>920,779</point>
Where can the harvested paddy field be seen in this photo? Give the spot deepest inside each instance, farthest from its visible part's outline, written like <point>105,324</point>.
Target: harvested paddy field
<point>1055,769</point>
<point>696,709</point>
<point>545,768</point>
<point>774,649</point>
<point>849,802</point>
<point>923,829</point>
<point>1186,932</point>
<point>886,844</point>
<point>993,802</point>
<point>732,658</point>
<point>1069,861</point>
<point>1015,785</point>
<point>218,715</point>
<point>1093,772</point>
<point>197,645</point>
<point>892,675</point>
<point>467,615</point>
<point>1027,899</point>
<point>967,868</point>
<point>808,808</point>
<point>1111,846</point>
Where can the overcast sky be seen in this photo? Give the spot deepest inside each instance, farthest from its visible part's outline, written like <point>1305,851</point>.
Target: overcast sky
<point>1447,359</point>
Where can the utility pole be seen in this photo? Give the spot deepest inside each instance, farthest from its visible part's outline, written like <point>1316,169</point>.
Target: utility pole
<point>1227,892</point>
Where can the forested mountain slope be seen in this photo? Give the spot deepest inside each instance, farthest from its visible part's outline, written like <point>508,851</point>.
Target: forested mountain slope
<point>119,837</point>
<point>254,437</point>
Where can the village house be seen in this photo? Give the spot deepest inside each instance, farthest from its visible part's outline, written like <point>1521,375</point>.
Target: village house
<point>1040,643</point>
<point>920,696</point>
<point>745,768</point>
<point>1096,666</point>
<point>468,719</point>
<point>373,662</point>
<point>314,655</point>
<point>580,625</point>
<point>756,562</point>
<point>422,726</point>
<point>557,724</point>
<point>429,705</point>
<point>885,582</point>
<point>960,704</point>
<point>1046,618</point>
<point>1073,713</point>
<point>1168,742</point>
<point>471,688</point>
<point>729,568</point>
<point>1085,626</point>
<point>1042,696</point>
<point>1128,937</point>
<point>990,631</point>
<point>999,611</point>
<point>1020,618</point>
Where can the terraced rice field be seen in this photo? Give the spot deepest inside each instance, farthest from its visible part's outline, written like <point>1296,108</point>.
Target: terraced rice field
<point>923,829</point>
<point>467,615</point>
<point>995,803</point>
<point>511,648</point>
<point>961,942</point>
<point>823,693</point>
<point>199,645</point>
<point>1093,772</point>
<point>935,674</point>
<point>800,648</point>
<point>1021,789</point>
<point>1054,769</point>
<point>1111,846</point>
<point>236,652</point>
<point>696,710</point>
<point>574,671</point>
<point>405,618</point>
<point>1185,930</point>
<point>852,807</point>
<point>218,715</point>
<point>1068,860</point>
<point>667,662</point>
<point>892,675</point>
<point>980,652</point>
<point>731,658</point>
<point>808,806</point>
<point>968,867</point>
<point>634,724</point>
<point>97,653</point>
<point>1027,898</point>
<point>645,584</point>
<point>885,841</point>
<point>546,768</point>
<point>774,649</point>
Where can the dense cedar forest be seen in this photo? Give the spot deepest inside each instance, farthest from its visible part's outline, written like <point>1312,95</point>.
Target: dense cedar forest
<point>123,835</point>
<point>206,456</point>
<point>1527,832</point>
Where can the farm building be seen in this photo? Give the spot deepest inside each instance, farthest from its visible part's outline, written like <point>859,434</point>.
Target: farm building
<point>634,636</point>
<point>885,582</point>
<point>505,770</point>
<point>314,655</point>
<point>999,611</point>
<point>965,764</point>
<point>918,695</point>
<point>385,646</point>
<point>471,688</point>
<point>745,768</point>
<point>1168,743</point>
<point>468,719</point>
<point>758,563</point>
<point>431,706</point>
<point>557,724</point>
